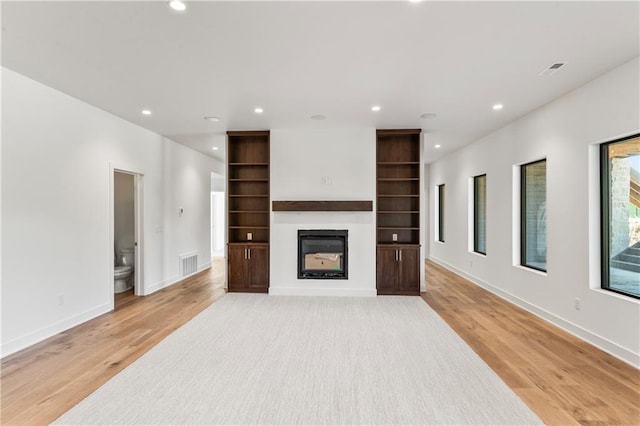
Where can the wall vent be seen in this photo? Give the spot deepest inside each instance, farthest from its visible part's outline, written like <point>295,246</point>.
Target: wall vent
<point>551,69</point>
<point>188,264</point>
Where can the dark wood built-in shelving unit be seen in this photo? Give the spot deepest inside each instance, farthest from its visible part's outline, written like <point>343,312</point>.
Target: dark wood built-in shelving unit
<point>323,206</point>
<point>398,171</point>
<point>248,211</point>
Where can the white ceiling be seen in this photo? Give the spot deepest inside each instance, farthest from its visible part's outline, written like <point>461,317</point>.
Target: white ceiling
<point>297,59</point>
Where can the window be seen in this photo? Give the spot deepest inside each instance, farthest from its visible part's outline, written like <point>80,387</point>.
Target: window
<point>620,200</point>
<point>441,213</point>
<point>480,214</point>
<point>533,219</point>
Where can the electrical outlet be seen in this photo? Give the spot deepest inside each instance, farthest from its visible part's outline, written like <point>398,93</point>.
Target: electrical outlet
<point>577,304</point>
<point>394,237</point>
<point>326,180</point>
<point>61,300</point>
<point>249,236</point>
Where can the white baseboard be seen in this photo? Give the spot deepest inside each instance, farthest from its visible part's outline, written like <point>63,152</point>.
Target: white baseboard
<point>346,292</point>
<point>160,285</point>
<point>39,335</point>
<point>174,280</point>
<point>600,342</point>
<point>34,337</point>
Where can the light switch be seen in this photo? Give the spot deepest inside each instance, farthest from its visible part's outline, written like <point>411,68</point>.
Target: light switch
<point>394,237</point>
<point>249,236</point>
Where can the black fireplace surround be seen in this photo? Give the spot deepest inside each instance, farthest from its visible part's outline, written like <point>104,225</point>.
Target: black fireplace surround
<point>323,254</point>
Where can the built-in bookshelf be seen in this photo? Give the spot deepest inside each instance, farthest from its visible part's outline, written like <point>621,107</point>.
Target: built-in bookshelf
<point>248,186</point>
<point>398,186</point>
<point>398,211</point>
<point>248,204</point>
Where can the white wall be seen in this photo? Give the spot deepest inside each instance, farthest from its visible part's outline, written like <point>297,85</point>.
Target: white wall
<point>565,132</point>
<point>58,153</point>
<point>218,182</point>
<point>186,186</point>
<point>301,160</point>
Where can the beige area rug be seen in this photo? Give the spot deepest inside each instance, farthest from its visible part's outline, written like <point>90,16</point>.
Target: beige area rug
<point>259,359</point>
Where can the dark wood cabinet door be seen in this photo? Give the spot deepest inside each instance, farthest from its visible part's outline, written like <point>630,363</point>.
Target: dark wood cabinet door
<point>258,267</point>
<point>386,270</point>
<point>237,273</point>
<point>409,270</point>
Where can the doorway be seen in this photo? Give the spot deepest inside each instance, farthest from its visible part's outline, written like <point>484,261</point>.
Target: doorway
<point>217,215</point>
<point>126,272</point>
<point>218,227</point>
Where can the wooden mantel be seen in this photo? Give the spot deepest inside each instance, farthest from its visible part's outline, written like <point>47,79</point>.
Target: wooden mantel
<point>322,206</point>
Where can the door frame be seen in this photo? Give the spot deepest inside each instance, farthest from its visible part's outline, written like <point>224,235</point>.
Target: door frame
<point>138,197</point>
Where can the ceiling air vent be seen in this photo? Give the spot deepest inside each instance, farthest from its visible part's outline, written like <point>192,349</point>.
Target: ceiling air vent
<point>551,69</point>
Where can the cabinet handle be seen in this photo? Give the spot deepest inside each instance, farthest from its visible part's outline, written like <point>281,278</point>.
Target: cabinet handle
<point>245,253</point>
<point>396,255</point>
<point>249,251</point>
<point>400,251</point>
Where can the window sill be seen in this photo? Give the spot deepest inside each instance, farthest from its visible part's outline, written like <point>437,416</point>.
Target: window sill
<point>617,295</point>
<point>535,271</point>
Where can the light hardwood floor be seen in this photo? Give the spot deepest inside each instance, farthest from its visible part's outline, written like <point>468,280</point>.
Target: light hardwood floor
<point>42,382</point>
<point>562,379</point>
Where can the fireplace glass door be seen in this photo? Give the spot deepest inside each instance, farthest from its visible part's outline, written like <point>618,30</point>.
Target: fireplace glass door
<point>322,254</point>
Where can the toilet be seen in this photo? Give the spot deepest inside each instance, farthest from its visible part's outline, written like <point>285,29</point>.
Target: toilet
<point>123,280</point>
<point>121,276</point>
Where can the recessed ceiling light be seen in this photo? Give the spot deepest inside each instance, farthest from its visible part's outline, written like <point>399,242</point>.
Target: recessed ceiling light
<point>258,110</point>
<point>428,115</point>
<point>146,112</point>
<point>436,146</point>
<point>375,108</point>
<point>177,5</point>
<point>215,148</point>
<point>212,119</point>
<point>318,117</point>
<point>497,107</point>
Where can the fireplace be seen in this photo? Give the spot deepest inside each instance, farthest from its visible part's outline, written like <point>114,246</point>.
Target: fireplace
<point>323,254</point>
